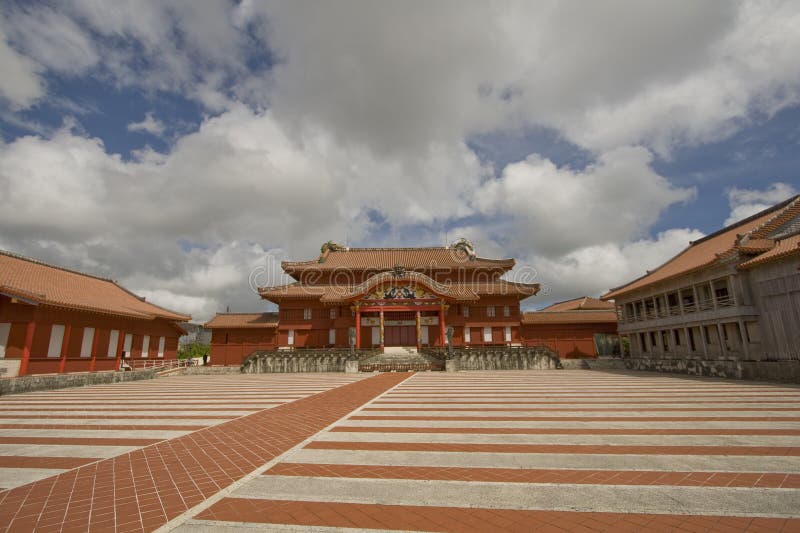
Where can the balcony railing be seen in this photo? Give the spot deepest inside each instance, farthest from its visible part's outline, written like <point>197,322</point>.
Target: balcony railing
<point>725,301</point>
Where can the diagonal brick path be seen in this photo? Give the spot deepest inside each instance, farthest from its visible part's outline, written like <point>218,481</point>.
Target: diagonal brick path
<point>144,489</point>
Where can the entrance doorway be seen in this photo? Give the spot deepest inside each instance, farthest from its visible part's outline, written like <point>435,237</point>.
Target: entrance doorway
<point>400,336</point>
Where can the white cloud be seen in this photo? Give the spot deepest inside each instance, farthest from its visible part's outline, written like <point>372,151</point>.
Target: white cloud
<point>748,202</point>
<point>149,124</point>
<point>368,107</point>
<point>592,270</point>
<point>239,179</point>
<point>20,83</point>
<point>555,210</point>
<point>53,39</point>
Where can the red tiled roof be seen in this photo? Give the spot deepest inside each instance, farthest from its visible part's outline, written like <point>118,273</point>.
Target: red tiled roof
<point>243,320</point>
<point>420,259</point>
<point>584,303</point>
<point>569,317</point>
<point>723,244</point>
<point>784,248</point>
<point>45,284</point>
<point>343,293</point>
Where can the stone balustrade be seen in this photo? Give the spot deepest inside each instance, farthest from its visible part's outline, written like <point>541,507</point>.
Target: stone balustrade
<point>497,358</point>
<point>279,361</point>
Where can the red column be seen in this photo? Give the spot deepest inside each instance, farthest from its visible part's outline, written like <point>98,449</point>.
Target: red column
<point>358,328</point>
<point>419,332</point>
<point>94,349</point>
<point>26,350</point>
<point>441,326</point>
<point>64,347</point>
<point>382,328</point>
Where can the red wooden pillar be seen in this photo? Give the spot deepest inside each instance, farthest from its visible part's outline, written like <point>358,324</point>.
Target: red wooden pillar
<point>94,349</point>
<point>441,326</point>
<point>26,350</point>
<point>120,345</point>
<point>62,365</point>
<point>358,328</point>
<point>419,332</point>
<point>382,330</point>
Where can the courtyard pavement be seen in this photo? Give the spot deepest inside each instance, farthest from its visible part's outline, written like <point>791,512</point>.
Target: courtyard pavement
<point>473,451</point>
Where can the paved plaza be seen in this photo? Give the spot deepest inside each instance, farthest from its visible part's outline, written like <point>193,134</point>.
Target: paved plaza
<point>472,451</point>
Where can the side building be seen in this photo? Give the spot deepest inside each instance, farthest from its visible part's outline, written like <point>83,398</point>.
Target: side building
<point>579,328</point>
<point>53,319</point>
<point>727,305</point>
<point>236,335</point>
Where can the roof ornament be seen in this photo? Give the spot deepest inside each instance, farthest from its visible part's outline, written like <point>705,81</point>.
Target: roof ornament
<point>466,246</point>
<point>329,246</point>
<point>398,271</point>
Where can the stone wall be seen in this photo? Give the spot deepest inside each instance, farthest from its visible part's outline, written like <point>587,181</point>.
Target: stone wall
<point>61,381</point>
<point>202,371</point>
<point>499,358</point>
<point>784,371</point>
<point>274,361</point>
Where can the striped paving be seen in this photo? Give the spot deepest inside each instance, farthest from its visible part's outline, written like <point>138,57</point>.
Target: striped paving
<point>47,433</point>
<point>523,451</point>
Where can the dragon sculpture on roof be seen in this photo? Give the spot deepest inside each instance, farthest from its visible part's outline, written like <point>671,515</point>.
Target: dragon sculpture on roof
<point>466,246</point>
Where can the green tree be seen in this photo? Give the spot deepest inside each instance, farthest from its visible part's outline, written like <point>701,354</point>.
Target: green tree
<point>194,350</point>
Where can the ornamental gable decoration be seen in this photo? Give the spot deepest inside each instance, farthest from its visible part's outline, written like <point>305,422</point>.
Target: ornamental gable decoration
<point>398,292</point>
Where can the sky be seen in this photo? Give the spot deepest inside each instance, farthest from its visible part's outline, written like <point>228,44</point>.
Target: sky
<point>185,148</point>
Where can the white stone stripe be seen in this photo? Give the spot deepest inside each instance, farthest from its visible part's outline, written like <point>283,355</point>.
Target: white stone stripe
<point>559,497</point>
<point>581,424</point>
<point>582,413</point>
<point>129,412</point>
<point>77,422</point>
<point>667,463</point>
<point>63,450</point>
<point>93,433</point>
<point>14,477</point>
<point>621,440</point>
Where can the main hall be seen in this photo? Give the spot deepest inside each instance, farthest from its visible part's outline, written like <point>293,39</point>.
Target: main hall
<point>398,297</point>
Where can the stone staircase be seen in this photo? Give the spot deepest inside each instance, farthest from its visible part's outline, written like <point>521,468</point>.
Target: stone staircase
<point>400,359</point>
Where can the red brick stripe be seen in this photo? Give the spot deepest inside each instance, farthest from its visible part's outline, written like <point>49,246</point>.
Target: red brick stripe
<point>557,448</point>
<point>521,475</point>
<point>7,461</point>
<point>641,418</point>
<point>144,489</point>
<point>568,431</point>
<point>472,520</point>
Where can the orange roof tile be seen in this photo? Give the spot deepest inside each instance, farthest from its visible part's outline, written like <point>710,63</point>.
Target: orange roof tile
<point>56,286</point>
<point>420,259</point>
<point>583,303</point>
<point>569,317</point>
<point>722,244</point>
<point>783,248</point>
<point>341,293</point>
<point>243,320</point>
